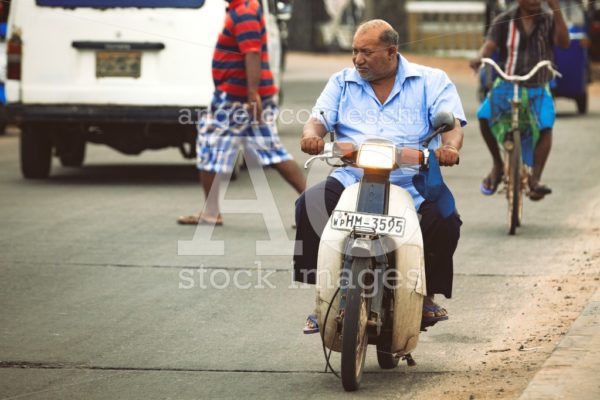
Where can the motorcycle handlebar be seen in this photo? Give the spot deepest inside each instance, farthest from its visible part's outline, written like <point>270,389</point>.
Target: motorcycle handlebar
<point>348,153</point>
<point>404,155</point>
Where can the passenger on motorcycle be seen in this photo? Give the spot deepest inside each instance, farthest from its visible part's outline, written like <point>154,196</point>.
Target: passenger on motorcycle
<point>384,96</point>
<point>523,35</point>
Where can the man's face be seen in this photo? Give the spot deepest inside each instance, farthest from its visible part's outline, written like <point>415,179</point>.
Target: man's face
<point>531,6</point>
<point>372,59</point>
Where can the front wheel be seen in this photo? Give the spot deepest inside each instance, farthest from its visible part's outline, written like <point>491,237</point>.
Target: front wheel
<point>385,358</point>
<point>515,188</point>
<point>354,330</point>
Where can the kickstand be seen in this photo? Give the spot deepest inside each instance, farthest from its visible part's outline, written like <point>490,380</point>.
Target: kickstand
<point>409,360</point>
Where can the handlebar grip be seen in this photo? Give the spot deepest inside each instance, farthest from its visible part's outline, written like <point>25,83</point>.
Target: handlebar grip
<point>457,162</point>
<point>408,156</point>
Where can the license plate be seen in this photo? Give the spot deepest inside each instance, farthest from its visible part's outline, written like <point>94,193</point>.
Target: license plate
<point>381,224</point>
<point>122,64</point>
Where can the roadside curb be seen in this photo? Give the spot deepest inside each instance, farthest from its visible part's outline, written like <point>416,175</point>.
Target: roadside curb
<point>571,372</point>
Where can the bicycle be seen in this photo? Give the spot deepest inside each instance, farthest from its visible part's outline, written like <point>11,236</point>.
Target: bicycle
<point>516,173</point>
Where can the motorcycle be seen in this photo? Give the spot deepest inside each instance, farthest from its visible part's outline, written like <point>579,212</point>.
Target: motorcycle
<point>371,270</point>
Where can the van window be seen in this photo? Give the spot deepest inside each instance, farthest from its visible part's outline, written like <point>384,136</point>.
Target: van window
<point>122,3</point>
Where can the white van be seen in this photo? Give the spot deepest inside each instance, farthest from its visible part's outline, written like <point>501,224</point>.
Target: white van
<point>125,73</point>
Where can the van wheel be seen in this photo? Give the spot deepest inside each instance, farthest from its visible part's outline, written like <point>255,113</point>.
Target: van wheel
<point>73,154</point>
<point>3,120</point>
<point>36,152</point>
<point>237,166</point>
<point>582,103</point>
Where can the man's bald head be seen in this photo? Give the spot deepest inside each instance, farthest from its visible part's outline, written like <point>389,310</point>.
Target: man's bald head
<point>386,33</point>
<point>375,51</point>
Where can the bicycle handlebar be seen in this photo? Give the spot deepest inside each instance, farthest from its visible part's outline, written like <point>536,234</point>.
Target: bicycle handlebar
<point>521,78</point>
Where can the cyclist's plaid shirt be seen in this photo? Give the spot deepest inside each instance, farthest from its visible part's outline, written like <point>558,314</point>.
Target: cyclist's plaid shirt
<point>520,52</point>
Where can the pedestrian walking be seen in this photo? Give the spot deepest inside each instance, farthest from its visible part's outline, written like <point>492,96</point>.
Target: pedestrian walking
<point>242,111</point>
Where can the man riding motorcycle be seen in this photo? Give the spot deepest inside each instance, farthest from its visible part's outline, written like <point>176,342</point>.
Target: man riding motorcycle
<point>384,96</point>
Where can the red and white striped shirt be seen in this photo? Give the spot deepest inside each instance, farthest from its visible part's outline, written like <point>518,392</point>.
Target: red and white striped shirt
<point>519,51</point>
<point>244,32</point>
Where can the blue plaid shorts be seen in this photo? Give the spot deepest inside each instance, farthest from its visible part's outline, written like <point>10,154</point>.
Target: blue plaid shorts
<point>227,128</point>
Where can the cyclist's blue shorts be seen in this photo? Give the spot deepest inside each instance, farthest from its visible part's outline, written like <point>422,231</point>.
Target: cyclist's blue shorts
<point>541,104</point>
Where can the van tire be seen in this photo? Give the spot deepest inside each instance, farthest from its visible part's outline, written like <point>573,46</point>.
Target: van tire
<point>237,166</point>
<point>36,152</point>
<point>74,154</point>
<point>582,103</point>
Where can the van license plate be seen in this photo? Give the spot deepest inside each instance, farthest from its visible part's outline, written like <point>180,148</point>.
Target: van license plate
<point>382,224</point>
<point>124,64</point>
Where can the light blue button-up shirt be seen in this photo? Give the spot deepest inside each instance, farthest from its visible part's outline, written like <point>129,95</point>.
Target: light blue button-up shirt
<point>351,108</point>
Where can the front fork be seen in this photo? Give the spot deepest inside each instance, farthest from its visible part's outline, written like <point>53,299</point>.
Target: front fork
<point>513,136</point>
<point>373,198</point>
<point>509,142</point>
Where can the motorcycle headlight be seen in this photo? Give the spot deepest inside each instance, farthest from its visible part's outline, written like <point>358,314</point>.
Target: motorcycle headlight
<point>376,156</point>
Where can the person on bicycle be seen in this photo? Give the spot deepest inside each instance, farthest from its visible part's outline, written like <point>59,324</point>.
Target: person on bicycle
<point>383,96</point>
<point>523,35</point>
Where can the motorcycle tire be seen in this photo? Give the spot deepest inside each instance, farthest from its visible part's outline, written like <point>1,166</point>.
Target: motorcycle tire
<point>354,330</point>
<point>385,358</point>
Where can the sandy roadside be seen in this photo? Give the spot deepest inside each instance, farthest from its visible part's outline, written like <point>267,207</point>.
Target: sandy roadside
<point>549,309</point>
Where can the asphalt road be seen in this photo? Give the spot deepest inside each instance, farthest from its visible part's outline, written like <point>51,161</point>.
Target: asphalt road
<point>96,302</point>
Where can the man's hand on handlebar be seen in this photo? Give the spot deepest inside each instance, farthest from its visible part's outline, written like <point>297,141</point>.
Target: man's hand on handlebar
<point>475,63</point>
<point>486,51</point>
<point>447,155</point>
<point>312,145</point>
<point>312,137</point>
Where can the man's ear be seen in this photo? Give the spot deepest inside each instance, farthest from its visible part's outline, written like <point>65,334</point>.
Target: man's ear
<point>392,51</point>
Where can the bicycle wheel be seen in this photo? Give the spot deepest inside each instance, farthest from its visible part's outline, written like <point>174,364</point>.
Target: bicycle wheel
<point>514,188</point>
<point>354,330</point>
